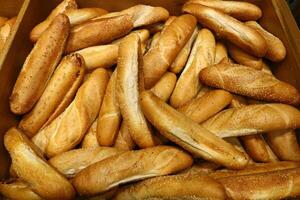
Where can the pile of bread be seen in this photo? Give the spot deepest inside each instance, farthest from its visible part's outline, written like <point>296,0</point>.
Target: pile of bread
<point>138,104</point>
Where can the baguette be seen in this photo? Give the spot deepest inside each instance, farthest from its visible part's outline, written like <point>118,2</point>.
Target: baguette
<point>66,79</point>
<point>124,140</point>
<point>258,149</point>
<point>256,168</point>
<point>34,170</point>
<point>284,144</point>
<point>189,135</point>
<point>221,52</point>
<point>172,39</point>
<point>243,58</point>
<point>253,119</point>
<point>109,119</point>
<point>17,190</point>
<point>250,82</point>
<point>229,28</point>
<point>202,56</point>
<point>78,16</point>
<point>129,84</point>
<point>39,66</point>
<point>182,57</point>
<point>206,106</point>
<point>65,5</point>
<point>165,86</point>
<point>174,187</point>
<point>72,162</point>
<point>270,185</point>
<point>243,11</point>
<point>276,49</point>
<point>91,32</point>
<point>5,31</point>
<point>90,138</point>
<point>68,129</point>
<point>130,166</point>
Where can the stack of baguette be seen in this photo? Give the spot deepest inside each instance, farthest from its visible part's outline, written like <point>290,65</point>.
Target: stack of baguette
<point>138,104</point>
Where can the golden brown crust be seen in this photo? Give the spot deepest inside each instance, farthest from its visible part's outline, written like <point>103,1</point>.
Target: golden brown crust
<point>229,28</point>
<point>72,162</point>
<point>124,140</point>
<point>39,66</point>
<point>90,138</point>
<point>243,11</point>
<point>276,49</point>
<point>243,58</point>
<point>258,149</point>
<point>65,5</point>
<point>171,41</point>
<point>34,170</point>
<point>221,52</point>
<point>164,87</point>
<point>129,84</point>
<point>270,185</point>
<point>202,108</point>
<point>130,166</point>
<point>201,168</point>
<point>182,57</point>
<point>284,144</point>
<point>202,56</point>
<point>189,135</point>
<point>176,186</point>
<point>78,16</point>
<point>247,81</point>
<point>256,168</point>
<point>109,119</point>
<point>17,190</point>
<point>253,119</point>
<point>91,33</point>
<point>69,72</point>
<point>68,129</point>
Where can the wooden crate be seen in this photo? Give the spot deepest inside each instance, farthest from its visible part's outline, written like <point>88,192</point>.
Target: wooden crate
<point>277,19</point>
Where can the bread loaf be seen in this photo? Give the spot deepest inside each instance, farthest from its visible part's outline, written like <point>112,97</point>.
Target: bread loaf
<point>58,93</point>
<point>68,129</point>
<point>72,162</point>
<point>249,82</point>
<point>129,84</point>
<point>130,166</point>
<point>17,190</point>
<point>189,135</point>
<point>243,11</point>
<point>202,56</point>
<point>253,119</point>
<point>172,39</point>
<point>39,66</point>
<point>174,187</point>
<point>92,32</point>
<point>78,16</point>
<point>229,28</point>
<point>34,170</point>
<point>109,119</point>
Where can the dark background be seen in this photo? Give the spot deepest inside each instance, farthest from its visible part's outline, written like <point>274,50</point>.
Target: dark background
<point>295,7</point>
